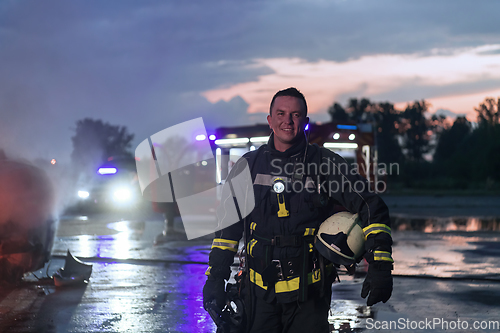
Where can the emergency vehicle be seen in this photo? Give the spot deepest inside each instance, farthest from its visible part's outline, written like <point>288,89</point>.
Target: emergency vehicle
<point>113,186</point>
<point>354,142</point>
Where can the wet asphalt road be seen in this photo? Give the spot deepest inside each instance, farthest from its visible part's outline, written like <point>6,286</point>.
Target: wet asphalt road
<point>446,268</point>
<point>135,286</point>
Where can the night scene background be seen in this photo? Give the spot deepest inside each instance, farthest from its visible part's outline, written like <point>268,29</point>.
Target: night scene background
<point>83,83</point>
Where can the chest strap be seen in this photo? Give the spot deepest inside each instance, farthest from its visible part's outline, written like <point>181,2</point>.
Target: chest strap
<point>286,240</point>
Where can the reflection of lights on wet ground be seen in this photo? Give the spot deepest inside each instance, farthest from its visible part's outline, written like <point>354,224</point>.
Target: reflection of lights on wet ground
<point>119,226</point>
<point>196,319</point>
<point>443,224</point>
<point>85,246</point>
<point>427,257</point>
<point>124,308</point>
<point>473,224</point>
<point>119,248</point>
<point>446,247</point>
<point>346,312</point>
<point>119,305</point>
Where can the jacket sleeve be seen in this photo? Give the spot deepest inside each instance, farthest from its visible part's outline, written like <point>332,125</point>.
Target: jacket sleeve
<point>352,191</point>
<point>230,213</point>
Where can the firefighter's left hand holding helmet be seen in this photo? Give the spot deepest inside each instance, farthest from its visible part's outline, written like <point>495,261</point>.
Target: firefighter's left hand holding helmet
<point>378,282</point>
<point>341,240</point>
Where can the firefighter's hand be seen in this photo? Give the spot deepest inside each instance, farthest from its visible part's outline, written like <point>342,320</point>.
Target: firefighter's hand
<point>214,289</point>
<point>378,283</point>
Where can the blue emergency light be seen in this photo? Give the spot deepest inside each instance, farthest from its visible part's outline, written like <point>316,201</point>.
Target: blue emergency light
<point>107,171</point>
<point>347,127</point>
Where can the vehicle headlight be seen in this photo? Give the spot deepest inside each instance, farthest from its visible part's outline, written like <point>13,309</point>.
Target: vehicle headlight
<point>83,194</point>
<point>122,195</point>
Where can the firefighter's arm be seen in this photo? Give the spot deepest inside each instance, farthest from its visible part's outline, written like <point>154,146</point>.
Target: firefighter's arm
<point>378,283</point>
<point>224,248</point>
<point>233,208</point>
<point>353,192</point>
<point>225,243</point>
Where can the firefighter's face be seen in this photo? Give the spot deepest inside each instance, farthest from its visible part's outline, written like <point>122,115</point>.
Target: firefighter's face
<point>287,120</point>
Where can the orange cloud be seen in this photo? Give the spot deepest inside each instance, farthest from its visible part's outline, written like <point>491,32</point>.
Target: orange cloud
<point>323,82</point>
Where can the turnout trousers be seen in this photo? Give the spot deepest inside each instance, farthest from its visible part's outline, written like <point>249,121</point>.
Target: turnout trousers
<point>294,317</point>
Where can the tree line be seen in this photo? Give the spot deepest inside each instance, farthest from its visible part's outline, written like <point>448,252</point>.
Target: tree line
<point>432,150</point>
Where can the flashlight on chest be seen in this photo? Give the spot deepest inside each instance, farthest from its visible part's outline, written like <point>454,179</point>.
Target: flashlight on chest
<point>279,189</point>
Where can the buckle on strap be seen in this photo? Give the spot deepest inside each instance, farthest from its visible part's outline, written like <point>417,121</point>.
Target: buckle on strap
<point>279,274</point>
<point>280,270</point>
<point>273,272</point>
<point>283,241</point>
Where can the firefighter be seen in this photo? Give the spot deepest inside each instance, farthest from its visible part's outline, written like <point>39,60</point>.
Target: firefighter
<point>296,186</point>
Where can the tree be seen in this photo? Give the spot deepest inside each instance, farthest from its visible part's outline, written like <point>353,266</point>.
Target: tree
<point>387,127</point>
<point>485,141</point>
<point>415,131</point>
<point>451,139</point>
<point>338,113</point>
<point>359,111</point>
<point>439,124</point>
<point>471,155</point>
<point>488,112</point>
<point>95,141</point>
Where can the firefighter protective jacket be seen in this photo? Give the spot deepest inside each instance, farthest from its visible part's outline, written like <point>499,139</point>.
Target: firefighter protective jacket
<point>289,193</point>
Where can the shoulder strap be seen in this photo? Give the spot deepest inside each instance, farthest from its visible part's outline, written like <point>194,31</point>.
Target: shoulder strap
<point>316,158</point>
<point>252,159</point>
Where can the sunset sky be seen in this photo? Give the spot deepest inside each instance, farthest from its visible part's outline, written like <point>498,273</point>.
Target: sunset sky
<point>149,65</point>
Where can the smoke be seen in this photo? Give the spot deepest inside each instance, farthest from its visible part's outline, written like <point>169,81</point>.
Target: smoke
<point>27,197</point>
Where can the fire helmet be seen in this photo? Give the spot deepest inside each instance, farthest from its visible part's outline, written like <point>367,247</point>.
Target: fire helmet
<point>340,239</point>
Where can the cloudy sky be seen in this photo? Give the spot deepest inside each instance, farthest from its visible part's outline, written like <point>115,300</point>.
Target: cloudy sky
<point>149,65</point>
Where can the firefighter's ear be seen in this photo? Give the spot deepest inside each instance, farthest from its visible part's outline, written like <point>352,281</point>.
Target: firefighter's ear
<point>269,121</point>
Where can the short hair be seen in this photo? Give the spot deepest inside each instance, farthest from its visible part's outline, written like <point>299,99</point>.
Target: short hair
<point>292,92</point>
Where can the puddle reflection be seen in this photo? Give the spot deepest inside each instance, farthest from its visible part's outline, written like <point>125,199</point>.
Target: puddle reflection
<point>443,224</point>
<point>447,247</point>
<point>195,318</point>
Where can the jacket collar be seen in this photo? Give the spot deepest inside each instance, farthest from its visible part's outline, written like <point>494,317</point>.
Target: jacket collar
<point>295,150</point>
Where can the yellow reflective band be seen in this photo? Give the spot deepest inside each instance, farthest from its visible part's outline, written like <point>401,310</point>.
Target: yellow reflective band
<point>207,273</point>
<point>292,284</point>
<point>382,256</point>
<point>250,246</point>
<point>309,231</point>
<point>311,247</point>
<point>286,286</point>
<point>225,244</point>
<point>314,276</point>
<point>252,226</point>
<point>257,279</point>
<point>376,228</point>
<point>279,287</point>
